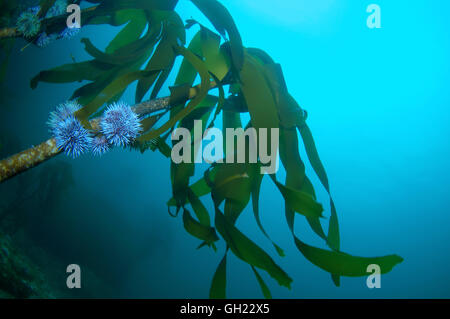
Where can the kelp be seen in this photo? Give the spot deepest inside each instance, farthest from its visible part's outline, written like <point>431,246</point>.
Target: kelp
<point>256,86</point>
<point>122,60</point>
<point>224,24</point>
<point>45,5</point>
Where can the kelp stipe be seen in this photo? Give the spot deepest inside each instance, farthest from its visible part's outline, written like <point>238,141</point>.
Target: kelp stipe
<point>145,51</point>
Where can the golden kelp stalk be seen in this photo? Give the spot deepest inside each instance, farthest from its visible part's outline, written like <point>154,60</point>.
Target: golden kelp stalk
<point>27,159</point>
<point>8,33</point>
<point>21,162</point>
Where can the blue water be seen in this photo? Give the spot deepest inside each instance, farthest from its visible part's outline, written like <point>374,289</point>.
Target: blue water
<point>378,105</point>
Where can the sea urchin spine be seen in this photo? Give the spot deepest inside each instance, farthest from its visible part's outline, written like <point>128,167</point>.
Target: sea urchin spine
<point>100,146</point>
<point>120,125</point>
<point>70,135</point>
<point>69,33</point>
<point>28,24</point>
<point>62,112</point>
<point>44,40</point>
<point>57,9</point>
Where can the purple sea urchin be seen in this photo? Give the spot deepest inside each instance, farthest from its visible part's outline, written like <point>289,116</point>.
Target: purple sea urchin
<point>44,40</point>
<point>100,146</point>
<point>120,125</point>
<point>62,112</point>
<point>28,24</point>
<point>35,10</point>
<point>69,33</point>
<point>72,137</point>
<point>57,9</point>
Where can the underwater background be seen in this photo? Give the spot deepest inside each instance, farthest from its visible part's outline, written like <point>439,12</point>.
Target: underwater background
<point>378,104</point>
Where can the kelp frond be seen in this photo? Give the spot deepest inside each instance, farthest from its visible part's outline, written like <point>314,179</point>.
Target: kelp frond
<point>145,50</point>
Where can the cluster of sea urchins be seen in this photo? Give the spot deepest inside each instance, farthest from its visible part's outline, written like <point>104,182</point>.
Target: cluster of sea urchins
<point>119,126</point>
<point>29,24</point>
